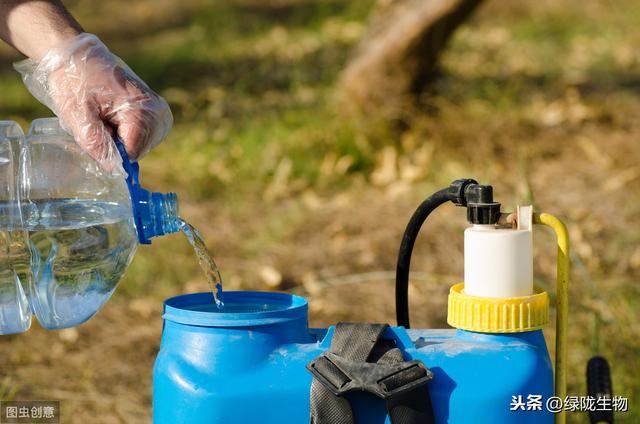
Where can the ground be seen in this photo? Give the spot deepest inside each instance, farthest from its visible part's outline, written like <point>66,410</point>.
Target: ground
<point>538,98</point>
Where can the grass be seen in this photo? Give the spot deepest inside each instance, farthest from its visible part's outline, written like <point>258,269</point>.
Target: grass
<point>538,98</point>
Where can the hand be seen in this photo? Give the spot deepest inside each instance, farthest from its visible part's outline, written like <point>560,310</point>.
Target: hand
<point>94,93</point>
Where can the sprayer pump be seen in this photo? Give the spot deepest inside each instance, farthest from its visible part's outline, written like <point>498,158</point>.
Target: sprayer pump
<point>481,210</point>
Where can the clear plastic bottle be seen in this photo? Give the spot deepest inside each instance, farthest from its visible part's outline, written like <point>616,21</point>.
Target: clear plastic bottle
<point>68,230</point>
<point>15,271</point>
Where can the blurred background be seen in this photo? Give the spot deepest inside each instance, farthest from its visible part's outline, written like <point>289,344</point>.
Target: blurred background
<point>307,132</point>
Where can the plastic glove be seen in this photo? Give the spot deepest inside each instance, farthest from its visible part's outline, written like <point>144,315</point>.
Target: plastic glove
<point>94,92</point>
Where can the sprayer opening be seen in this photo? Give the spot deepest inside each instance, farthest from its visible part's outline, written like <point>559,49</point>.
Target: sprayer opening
<point>241,308</point>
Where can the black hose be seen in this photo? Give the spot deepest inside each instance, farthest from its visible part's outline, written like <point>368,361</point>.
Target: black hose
<point>406,249</point>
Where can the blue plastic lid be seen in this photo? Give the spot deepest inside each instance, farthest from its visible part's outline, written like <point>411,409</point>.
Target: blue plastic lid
<point>241,309</point>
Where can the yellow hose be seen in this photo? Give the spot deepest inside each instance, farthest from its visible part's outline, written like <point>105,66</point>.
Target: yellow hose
<point>562,304</point>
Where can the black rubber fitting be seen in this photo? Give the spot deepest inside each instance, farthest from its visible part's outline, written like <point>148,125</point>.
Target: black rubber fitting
<point>457,190</point>
<point>481,209</point>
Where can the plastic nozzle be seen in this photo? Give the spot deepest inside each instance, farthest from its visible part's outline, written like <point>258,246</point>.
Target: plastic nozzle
<point>154,213</point>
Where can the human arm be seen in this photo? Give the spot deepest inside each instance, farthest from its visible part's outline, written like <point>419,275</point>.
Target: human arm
<point>91,90</point>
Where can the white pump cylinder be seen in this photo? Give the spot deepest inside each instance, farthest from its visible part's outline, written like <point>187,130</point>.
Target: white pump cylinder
<point>498,262</point>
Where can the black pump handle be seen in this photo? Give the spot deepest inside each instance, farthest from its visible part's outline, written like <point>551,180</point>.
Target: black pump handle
<point>599,386</point>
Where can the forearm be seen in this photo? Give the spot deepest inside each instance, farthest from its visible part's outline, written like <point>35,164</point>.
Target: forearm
<point>90,89</point>
<point>35,26</point>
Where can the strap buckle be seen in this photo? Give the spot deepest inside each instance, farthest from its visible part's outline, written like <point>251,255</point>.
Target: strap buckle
<point>384,380</point>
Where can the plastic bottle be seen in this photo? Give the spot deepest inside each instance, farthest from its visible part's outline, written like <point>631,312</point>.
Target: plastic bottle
<point>68,230</point>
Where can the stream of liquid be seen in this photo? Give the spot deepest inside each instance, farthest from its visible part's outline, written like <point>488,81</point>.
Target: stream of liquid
<point>206,261</point>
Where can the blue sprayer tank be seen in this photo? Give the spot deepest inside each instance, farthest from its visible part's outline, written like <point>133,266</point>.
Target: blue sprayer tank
<point>247,362</point>
<point>250,367</point>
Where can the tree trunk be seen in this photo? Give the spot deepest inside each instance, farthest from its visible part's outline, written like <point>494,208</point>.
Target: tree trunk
<point>399,54</point>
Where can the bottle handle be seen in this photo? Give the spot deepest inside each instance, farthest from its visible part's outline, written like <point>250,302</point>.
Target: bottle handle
<point>135,190</point>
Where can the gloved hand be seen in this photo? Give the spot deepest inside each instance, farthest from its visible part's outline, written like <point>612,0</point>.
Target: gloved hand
<point>94,92</point>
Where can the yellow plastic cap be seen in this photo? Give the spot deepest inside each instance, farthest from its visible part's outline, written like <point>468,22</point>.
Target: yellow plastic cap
<point>497,315</point>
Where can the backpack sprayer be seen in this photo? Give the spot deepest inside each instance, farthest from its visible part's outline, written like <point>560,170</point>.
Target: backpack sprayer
<point>256,360</point>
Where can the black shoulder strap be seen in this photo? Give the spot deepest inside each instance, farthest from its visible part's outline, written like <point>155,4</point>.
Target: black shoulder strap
<point>359,361</point>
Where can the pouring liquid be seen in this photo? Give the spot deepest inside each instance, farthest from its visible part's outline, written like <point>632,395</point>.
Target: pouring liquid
<point>206,261</point>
